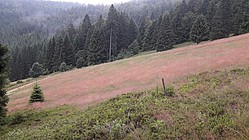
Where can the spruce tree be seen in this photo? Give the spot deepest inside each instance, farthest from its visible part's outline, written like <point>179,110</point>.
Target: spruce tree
<point>182,34</point>
<point>71,32</point>
<point>20,65</point>
<point>100,23</point>
<point>134,48</point>
<point>83,34</point>
<point>97,51</point>
<point>57,54</point>
<point>193,5</point>
<point>37,94</point>
<point>200,30</point>
<point>144,23</point>
<point>187,23</point>
<point>165,35</point>
<point>67,52</point>
<point>50,54</point>
<point>222,21</point>
<point>88,39</point>
<point>80,62</point>
<point>112,30</point>
<point>13,71</point>
<point>132,31</point>
<point>81,57</point>
<point>3,74</point>
<point>123,41</point>
<point>211,10</point>
<point>203,8</point>
<point>150,37</point>
<point>242,17</point>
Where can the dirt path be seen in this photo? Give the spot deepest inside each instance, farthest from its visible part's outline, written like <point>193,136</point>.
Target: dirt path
<point>95,84</point>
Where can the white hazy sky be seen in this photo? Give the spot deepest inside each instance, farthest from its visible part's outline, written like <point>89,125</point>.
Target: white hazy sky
<point>95,1</point>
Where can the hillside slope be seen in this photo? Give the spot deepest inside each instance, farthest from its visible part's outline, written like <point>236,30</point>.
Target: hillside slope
<point>95,84</point>
<point>209,105</point>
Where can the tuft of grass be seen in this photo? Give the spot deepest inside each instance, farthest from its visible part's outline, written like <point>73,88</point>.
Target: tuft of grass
<point>189,86</point>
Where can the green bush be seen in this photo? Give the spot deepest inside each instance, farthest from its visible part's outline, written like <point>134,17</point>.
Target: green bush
<point>170,91</point>
<point>36,70</point>
<point>80,63</point>
<point>17,119</point>
<point>19,82</point>
<point>124,54</point>
<point>63,67</point>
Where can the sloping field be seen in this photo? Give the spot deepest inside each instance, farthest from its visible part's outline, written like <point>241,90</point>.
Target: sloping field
<point>95,84</point>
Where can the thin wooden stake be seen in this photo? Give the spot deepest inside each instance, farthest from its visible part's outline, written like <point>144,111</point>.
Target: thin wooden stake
<point>164,88</point>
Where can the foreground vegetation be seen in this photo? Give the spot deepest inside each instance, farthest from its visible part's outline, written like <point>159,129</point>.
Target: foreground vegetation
<point>210,105</point>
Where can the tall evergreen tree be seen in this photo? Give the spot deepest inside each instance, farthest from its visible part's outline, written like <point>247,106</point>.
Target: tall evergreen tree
<point>20,65</point>
<point>71,32</point>
<point>144,23</point>
<point>83,34</point>
<point>211,10</point>
<point>150,37</point>
<point>180,31</point>
<point>134,48</point>
<point>57,54</point>
<point>187,23</point>
<point>123,40</point>
<point>50,54</point>
<point>97,52</point>
<point>193,5</point>
<point>200,30</point>
<point>132,31</point>
<point>112,30</point>
<point>203,8</point>
<point>67,52</point>
<point>242,17</point>
<point>165,35</point>
<point>13,64</point>
<point>3,74</point>
<point>222,21</point>
<point>100,23</point>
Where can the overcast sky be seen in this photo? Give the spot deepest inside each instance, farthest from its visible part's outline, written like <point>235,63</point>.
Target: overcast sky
<point>95,1</point>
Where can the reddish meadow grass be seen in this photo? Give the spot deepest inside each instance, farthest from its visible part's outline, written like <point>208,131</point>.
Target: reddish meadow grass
<point>91,85</point>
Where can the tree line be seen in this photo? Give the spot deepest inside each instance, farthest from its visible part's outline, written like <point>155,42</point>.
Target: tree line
<point>89,43</point>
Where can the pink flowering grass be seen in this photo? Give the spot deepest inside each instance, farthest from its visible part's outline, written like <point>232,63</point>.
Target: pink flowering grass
<point>91,85</point>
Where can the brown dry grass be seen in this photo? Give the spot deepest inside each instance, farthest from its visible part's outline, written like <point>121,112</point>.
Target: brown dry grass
<point>95,84</point>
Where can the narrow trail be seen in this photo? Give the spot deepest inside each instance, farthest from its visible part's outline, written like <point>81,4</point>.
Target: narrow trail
<point>15,90</point>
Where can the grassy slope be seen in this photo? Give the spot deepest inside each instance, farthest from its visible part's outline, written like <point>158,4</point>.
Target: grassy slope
<point>210,105</point>
<point>92,85</point>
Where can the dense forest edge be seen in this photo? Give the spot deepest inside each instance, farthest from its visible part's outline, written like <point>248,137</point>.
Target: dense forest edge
<point>130,29</point>
<point>209,105</point>
<point>60,36</point>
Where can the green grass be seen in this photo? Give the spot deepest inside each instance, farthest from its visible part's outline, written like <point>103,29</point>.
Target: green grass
<point>209,105</point>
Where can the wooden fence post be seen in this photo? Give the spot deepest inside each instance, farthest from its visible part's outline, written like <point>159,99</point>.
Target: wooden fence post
<point>164,88</point>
